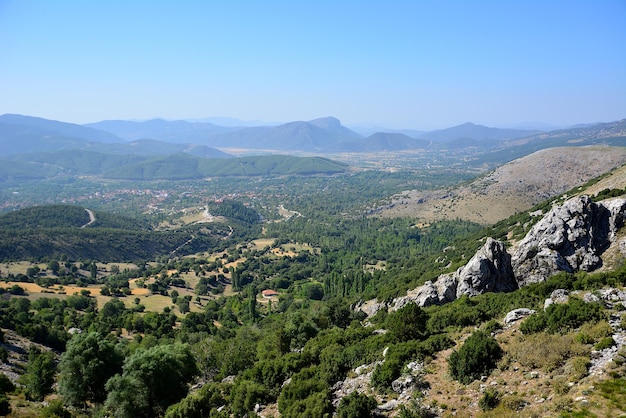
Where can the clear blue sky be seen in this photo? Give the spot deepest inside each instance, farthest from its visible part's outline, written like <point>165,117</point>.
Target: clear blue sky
<point>403,64</point>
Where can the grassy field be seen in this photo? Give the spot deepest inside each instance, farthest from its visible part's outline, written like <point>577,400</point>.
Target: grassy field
<point>152,302</point>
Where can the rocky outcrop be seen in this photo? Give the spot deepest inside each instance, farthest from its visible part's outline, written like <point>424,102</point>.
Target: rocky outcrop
<point>489,270</point>
<point>569,238</point>
<point>557,296</point>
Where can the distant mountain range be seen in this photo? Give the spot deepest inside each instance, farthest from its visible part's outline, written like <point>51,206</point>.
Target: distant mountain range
<point>107,146</point>
<point>324,135</point>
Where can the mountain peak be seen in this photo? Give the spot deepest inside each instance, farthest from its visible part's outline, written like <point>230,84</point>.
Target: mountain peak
<point>327,122</point>
<point>467,125</point>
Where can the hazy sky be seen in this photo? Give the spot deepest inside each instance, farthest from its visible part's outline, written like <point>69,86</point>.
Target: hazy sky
<point>403,64</point>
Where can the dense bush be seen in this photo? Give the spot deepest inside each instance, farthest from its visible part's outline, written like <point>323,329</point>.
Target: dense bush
<point>562,317</point>
<point>5,405</point>
<point>6,386</point>
<point>356,405</point>
<point>476,357</point>
<point>202,404</point>
<point>306,396</point>
<point>489,400</point>
<point>402,353</point>
<point>407,323</point>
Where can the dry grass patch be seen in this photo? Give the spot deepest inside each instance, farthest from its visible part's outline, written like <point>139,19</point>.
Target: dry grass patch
<point>544,351</point>
<point>19,267</point>
<point>259,244</point>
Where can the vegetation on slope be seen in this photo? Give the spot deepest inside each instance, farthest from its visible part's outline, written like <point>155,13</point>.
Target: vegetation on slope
<point>56,231</point>
<point>288,352</point>
<point>183,166</point>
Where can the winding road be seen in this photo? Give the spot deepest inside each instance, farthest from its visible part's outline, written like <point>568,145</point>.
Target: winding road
<point>92,218</point>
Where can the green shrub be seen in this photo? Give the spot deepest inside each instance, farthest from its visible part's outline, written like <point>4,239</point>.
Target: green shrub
<point>583,338</point>
<point>579,368</point>
<point>356,405</point>
<point>492,326</point>
<point>606,342</point>
<point>6,386</point>
<point>199,404</point>
<point>5,405</point>
<point>514,403</point>
<point>402,353</point>
<point>408,323</point>
<point>306,396</point>
<point>489,400</point>
<point>561,317</point>
<point>386,373</point>
<point>246,394</point>
<point>55,409</point>
<point>560,385</point>
<point>476,357</point>
<point>534,323</point>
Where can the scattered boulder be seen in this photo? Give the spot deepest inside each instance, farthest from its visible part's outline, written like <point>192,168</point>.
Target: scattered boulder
<point>389,405</point>
<point>359,383</point>
<point>517,314</point>
<point>557,296</point>
<point>403,384</point>
<point>591,298</point>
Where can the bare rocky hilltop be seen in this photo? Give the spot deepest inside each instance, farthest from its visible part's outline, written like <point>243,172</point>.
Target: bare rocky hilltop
<point>511,188</point>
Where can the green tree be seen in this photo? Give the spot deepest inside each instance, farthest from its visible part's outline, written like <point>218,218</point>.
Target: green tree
<point>356,405</point>
<point>88,363</point>
<point>39,376</point>
<point>32,271</point>
<point>200,404</point>
<point>152,379</point>
<point>54,267</point>
<point>476,357</point>
<point>408,323</point>
<point>93,270</point>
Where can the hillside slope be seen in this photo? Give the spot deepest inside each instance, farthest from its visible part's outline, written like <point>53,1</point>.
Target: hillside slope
<point>511,188</point>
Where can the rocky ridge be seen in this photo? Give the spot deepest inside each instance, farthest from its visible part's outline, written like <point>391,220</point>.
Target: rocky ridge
<point>570,237</point>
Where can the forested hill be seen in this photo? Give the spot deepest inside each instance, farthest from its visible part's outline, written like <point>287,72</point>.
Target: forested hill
<point>66,216</point>
<point>182,166</point>
<point>178,166</point>
<point>62,230</point>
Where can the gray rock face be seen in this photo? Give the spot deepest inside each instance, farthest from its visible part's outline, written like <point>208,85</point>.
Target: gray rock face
<point>489,270</point>
<point>442,291</point>
<point>569,238</point>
